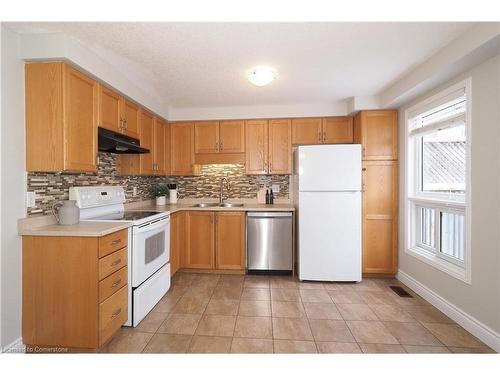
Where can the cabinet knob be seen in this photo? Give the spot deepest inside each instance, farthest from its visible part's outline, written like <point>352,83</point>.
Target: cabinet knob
<point>221,146</point>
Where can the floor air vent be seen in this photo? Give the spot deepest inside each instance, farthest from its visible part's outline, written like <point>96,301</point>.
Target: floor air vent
<point>400,291</point>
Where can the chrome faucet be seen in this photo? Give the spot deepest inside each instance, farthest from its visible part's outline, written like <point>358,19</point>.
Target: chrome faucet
<point>228,187</point>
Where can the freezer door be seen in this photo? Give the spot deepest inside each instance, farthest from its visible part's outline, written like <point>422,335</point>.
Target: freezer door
<point>329,244</point>
<point>329,168</point>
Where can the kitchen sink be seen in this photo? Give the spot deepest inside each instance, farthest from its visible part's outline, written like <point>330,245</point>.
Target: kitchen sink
<point>205,205</point>
<point>231,205</point>
<point>226,205</point>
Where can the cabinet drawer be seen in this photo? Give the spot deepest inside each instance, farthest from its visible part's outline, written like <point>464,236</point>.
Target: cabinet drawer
<point>112,263</point>
<point>112,283</point>
<point>112,314</point>
<point>112,242</point>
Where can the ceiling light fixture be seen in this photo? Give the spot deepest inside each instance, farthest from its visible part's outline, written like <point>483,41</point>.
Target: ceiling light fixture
<point>261,76</point>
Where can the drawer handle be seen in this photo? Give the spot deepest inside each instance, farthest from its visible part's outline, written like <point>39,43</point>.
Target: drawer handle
<point>116,262</point>
<point>116,313</point>
<point>116,283</point>
<point>116,242</point>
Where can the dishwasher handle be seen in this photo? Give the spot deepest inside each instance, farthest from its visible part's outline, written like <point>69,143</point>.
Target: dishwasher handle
<point>269,214</point>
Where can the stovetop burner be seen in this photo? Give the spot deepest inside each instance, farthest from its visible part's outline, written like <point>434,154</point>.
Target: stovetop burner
<point>127,215</point>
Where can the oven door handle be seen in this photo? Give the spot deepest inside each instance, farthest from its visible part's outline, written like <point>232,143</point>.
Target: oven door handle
<point>151,227</point>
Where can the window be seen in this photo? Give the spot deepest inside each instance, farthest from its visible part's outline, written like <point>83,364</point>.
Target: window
<point>437,154</point>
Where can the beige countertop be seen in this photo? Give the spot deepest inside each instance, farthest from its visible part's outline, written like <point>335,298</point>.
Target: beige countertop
<point>47,226</point>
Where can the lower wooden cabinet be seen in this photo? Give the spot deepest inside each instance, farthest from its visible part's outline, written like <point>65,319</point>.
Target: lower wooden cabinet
<point>380,208</point>
<point>75,292</point>
<point>214,240</point>
<point>177,241</point>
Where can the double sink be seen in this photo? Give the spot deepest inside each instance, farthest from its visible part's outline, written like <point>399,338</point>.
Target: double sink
<point>226,205</point>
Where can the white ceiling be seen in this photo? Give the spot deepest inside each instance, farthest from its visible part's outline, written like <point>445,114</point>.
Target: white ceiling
<point>205,64</point>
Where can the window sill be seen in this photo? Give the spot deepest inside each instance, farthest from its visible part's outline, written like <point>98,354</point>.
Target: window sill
<point>462,274</point>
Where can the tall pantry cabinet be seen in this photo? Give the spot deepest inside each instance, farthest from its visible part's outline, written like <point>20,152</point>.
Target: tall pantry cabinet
<point>377,133</point>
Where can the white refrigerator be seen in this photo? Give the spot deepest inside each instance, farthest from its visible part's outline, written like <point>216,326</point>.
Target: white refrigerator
<point>328,179</point>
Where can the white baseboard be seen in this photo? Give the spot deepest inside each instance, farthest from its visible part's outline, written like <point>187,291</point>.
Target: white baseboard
<point>16,346</point>
<point>471,324</point>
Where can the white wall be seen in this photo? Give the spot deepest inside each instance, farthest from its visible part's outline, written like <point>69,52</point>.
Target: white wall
<point>13,185</point>
<point>481,299</point>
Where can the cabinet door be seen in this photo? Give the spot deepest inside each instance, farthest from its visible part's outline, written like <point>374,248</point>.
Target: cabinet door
<point>110,116</point>
<point>147,142</point>
<point>337,130</point>
<point>256,143</point>
<point>159,147</point>
<point>174,243</point>
<point>181,149</point>
<point>230,240</point>
<point>206,137</point>
<point>167,149</point>
<point>379,135</point>
<point>231,136</point>
<point>131,115</point>
<point>200,240</point>
<point>80,108</point>
<point>306,131</point>
<point>380,205</point>
<point>280,147</point>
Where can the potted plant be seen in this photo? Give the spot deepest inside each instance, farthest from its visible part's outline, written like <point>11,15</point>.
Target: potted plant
<point>160,192</point>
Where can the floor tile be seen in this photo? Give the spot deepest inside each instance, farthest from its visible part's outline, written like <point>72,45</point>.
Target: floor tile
<point>205,280</point>
<point>191,305</point>
<point>210,344</point>
<point>231,281</point>
<point>245,345</point>
<point>182,278</point>
<point>412,334</point>
<point>314,295</point>
<point>345,296</point>
<point>415,349</point>
<point>256,283</point>
<point>128,340</point>
<point>151,322</point>
<point>227,293</point>
<point>222,307</point>
<point>254,308</point>
<point>291,329</point>
<point>294,346</point>
<point>180,324</point>
<point>482,350</point>
<point>310,285</point>
<point>453,335</point>
<point>255,294</point>
<point>281,309</point>
<point>253,327</point>
<point>200,291</point>
<point>216,325</point>
<point>356,311</point>
<point>165,305</point>
<point>381,348</point>
<point>377,298</point>
<point>391,313</point>
<point>318,310</point>
<point>367,285</point>
<point>339,286</point>
<point>162,343</point>
<point>338,347</point>
<point>283,294</point>
<point>371,333</point>
<point>330,330</point>
<point>283,282</point>
<point>427,314</point>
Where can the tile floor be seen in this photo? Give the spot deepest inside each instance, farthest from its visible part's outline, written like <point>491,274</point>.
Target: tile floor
<point>204,313</point>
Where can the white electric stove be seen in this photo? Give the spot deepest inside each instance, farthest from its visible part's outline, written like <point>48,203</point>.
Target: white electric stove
<point>149,244</point>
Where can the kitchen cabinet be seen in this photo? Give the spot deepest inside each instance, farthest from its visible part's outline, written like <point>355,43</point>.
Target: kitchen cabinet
<point>200,244</point>
<point>61,119</point>
<point>377,132</point>
<point>131,118</point>
<point>268,147</point>
<point>327,130</point>
<point>75,292</point>
<point>159,147</point>
<point>230,240</point>
<point>219,142</point>
<point>231,136</point>
<point>147,141</point>
<point>206,137</point>
<point>177,241</point>
<point>182,148</point>
<point>167,155</point>
<point>380,216</point>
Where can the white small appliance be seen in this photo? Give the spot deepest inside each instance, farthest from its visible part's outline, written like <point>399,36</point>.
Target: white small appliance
<point>148,249</point>
<point>328,179</point>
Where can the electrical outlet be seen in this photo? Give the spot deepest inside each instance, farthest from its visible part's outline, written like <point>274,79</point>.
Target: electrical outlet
<point>276,188</point>
<point>30,199</point>
<point>134,191</point>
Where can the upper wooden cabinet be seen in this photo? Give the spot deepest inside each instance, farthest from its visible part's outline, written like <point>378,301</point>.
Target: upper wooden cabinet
<point>167,155</point>
<point>206,137</point>
<point>232,136</point>
<point>327,130</point>
<point>159,129</point>
<point>211,137</point>
<point>280,147</point>
<point>131,118</point>
<point>182,148</point>
<point>61,119</point>
<point>117,113</point>
<point>147,141</point>
<point>257,146</point>
<point>377,131</point>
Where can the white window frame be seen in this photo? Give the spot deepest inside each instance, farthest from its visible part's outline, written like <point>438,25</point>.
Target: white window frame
<point>438,202</point>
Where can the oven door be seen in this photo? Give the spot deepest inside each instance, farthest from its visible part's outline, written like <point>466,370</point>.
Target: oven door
<point>151,249</point>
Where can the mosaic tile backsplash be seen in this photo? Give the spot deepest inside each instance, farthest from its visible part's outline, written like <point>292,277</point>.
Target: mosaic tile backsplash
<point>53,187</point>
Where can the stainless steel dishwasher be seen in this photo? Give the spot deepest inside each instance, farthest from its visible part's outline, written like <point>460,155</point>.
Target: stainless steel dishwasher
<point>269,241</point>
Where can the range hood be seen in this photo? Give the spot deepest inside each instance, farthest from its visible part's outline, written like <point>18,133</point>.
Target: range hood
<point>116,143</point>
